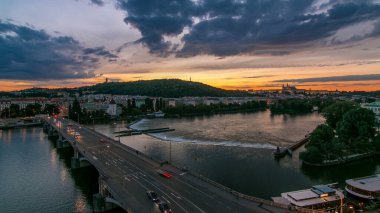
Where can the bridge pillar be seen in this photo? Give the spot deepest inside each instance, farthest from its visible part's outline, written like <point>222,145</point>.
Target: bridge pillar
<point>62,142</point>
<point>78,160</point>
<point>45,127</point>
<point>52,133</point>
<point>103,201</point>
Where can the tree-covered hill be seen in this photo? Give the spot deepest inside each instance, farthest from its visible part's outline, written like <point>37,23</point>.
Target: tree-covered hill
<point>170,88</point>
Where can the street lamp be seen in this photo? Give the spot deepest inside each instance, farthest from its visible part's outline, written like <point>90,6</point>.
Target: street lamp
<point>170,150</point>
<point>118,131</point>
<point>77,116</point>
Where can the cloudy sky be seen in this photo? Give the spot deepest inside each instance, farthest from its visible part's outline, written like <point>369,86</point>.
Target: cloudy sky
<point>233,44</point>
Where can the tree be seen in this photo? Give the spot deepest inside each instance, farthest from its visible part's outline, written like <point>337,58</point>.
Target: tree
<point>14,110</point>
<point>75,110</point>
<point>321,135</point>
<point>312,155</point>
<point>334,113</point>
<point>376,142</point>
<point>356,127</point>
<point>51,109</point>
<point>32,109</point>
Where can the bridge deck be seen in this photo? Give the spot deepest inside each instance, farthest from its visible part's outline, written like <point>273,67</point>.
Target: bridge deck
<point>129,174</point>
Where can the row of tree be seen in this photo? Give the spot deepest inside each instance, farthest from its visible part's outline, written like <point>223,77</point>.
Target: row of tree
<point>83,116</point>
<point>299,106</point>
<point>14,110</point>
<point>349,130</point>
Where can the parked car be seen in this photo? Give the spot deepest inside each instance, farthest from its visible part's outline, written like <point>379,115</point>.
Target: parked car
<point>164,207</point>
<point>152,195</point>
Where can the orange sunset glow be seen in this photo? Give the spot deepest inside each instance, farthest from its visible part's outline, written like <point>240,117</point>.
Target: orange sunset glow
<point>309,49</point>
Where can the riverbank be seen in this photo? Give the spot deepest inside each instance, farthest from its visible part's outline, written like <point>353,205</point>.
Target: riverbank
<point>344,160</point>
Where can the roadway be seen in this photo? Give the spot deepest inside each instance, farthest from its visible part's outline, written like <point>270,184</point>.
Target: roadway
<point>130,174</point>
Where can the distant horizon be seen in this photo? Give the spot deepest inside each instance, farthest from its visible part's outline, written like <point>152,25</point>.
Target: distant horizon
<point>312,44</point>
<point>267,89</point>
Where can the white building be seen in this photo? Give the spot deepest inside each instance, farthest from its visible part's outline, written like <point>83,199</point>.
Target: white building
<point>112,108</point>
<point>374,107</point>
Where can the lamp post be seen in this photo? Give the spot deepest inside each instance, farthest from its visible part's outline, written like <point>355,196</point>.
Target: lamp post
<point>170,150</point>
<point>77,113</point>
<point>118,131</point>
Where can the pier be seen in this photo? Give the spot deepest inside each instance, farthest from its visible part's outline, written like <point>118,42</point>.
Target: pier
<point>281,152</point>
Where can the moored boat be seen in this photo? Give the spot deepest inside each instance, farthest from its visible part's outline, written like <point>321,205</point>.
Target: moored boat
<point>365,188</point>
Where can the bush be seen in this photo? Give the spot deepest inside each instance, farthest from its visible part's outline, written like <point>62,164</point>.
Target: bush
<point>312,155</point>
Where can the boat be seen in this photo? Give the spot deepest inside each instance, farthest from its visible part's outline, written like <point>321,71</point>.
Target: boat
<point>2,124</point>
<point>364,188</point>
<point>322,197</point>
<point>158,114</point>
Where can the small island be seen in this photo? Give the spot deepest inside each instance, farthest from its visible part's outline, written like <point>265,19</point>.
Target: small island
<point>348,134</point>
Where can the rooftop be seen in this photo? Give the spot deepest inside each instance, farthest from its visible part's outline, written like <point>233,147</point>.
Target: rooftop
<point>369,183</point>
<point>319,194</point>
<point>377,103</point>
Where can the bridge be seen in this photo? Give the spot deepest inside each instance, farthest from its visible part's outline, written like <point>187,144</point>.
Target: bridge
<point>125,175</point>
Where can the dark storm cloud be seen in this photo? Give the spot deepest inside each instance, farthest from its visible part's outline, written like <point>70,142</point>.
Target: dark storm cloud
<point>156,19</point>
<point>334,78</point>
<point>99,51</point>
<point>231,27</point>
<point>32,54</point>
<point>97,2</point>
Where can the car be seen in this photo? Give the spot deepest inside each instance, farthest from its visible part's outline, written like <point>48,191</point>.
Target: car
<point>152,195</point>
<point>164,207</point>
<point>76,135</point>
<point>102,140</point>
<point>164,174</point>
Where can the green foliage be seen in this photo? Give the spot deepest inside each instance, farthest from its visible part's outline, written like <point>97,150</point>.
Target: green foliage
<point>376,142</point>
<point>31,110</point>
<point>75,111</point>
<point>312,155</point>
<point>51,109</point>
<point>169,88</point>
<point>354,134</point>
<point>357,125</point>
<point>321,137</point>
<point>334,112</point>
<point>291,106</point>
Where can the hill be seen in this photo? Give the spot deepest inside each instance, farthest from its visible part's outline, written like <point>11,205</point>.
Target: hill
<point>169,88</point>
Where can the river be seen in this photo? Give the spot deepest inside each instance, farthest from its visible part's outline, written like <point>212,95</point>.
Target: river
<point>36,177</point>
<point>232,149</point>
<point>236,150</point>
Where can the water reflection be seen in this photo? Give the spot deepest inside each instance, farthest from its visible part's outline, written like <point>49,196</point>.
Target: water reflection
<point>220,148</point>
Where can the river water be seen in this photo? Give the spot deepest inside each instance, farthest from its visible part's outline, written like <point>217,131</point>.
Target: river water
<point>236,150</point>
<point>36,177</point>
<point>232,149</point>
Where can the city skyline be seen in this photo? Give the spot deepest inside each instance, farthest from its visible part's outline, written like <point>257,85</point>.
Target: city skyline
<point>312,44</point>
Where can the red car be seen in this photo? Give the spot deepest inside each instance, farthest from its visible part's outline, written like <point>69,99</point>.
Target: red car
<point>164,174</point>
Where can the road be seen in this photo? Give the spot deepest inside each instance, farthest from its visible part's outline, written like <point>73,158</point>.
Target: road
<point>130,174</point>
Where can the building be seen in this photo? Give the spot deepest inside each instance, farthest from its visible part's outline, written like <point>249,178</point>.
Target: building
<point>374,107</point>
<point>317,197</point>
<point>367,188</point>
<point>288,89</point>
<point>112,108</point>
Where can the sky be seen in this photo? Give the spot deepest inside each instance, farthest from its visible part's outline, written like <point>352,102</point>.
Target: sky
<point>231,44</point>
